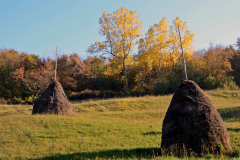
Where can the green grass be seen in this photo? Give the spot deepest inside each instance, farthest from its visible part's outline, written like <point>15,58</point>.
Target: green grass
<point>127,128</point>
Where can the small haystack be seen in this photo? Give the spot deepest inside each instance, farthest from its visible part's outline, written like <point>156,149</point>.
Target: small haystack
<point>192,125</point>
<point>53,101</point>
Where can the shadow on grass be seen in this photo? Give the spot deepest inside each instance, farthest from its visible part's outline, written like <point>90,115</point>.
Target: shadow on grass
<point>229,113</point>
<point>151,133</point>
<point>110,154</point>
<point>234,129</point>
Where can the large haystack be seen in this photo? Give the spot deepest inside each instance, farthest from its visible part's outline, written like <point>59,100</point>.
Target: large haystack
<point>192,125</point>
<point>53,101</point>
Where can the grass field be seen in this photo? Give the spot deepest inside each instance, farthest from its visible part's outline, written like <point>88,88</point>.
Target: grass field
<point>127,128</point>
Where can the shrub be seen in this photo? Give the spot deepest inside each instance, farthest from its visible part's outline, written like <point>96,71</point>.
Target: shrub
<point>230,84</point>
<point>160,88</point>
<point>15,100</point>
<point>90,94</point>
<point>3,101</point>
<point>219,82</point>
<point>209,82</point>
<point>30,99</point>
<point>26,100</point>
<point>68,92</point>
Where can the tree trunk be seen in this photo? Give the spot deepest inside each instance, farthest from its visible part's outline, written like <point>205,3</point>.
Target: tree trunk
<point>159,69</point>
<point>184,63</point>
<point>141,87</point>
<point>125,78</point>
<point>173,68</point>
<point>36,95</point>
<point>77,88</point>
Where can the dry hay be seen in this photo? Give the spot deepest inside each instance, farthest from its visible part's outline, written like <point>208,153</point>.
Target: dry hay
<point>192,125</point>
<point>53,101</point>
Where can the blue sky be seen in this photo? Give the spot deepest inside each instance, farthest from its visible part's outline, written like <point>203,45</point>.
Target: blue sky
<point>39,26</point>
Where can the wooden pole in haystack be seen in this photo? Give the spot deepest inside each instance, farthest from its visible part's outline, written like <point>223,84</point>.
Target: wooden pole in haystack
<point>55,66</point>
<point>184,63</point>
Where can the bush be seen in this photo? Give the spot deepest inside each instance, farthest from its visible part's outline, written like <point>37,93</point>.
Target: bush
<point>30,99</point>
<point>219,82</point>
<point>229,83</point>
<point>68,92</point>
<point>160,88</point>
<point>15,100</point>
<point>3,101</point>
<point>90,94</point>
<point>27,100</point>
<point>209,82</point>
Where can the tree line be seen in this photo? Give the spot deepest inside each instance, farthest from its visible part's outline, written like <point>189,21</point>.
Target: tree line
<point>115,66</point>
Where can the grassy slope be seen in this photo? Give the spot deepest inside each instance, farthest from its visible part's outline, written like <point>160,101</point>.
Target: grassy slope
<point>105,129</point>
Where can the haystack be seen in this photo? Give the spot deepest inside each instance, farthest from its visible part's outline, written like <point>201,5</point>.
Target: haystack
<point>192,125</point>
<point>53,101</point>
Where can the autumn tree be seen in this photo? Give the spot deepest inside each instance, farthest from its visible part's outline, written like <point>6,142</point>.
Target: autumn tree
<point>144,62</point>
<point>70,71</point>
<point>214,67</point>
<point>89,74</point>
<point>35,80</point>
<point>158,40</point>
<point>235,61</point>
<point>152,53</point>
<point>9,61</point>
<point>121,31</point>
<point>76,70</point>
<point>29,61</point>
<point>160,50</point>
<point>97,67</point>
<point>238,43</point>
<point>217,60</point>
<point>235,64</point>
<point>187,39</point>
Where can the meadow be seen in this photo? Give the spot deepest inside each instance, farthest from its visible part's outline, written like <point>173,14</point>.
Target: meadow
<point>128,128</point>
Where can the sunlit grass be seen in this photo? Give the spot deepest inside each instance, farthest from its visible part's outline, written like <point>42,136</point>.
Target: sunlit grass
<point>127,128</point>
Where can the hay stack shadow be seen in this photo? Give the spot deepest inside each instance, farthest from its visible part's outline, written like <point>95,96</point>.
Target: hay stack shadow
<point>192,125</point>
<point>53,101</point>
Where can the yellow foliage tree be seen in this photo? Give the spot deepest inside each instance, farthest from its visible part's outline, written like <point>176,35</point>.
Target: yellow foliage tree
<point>158,36</point>
<point>152,52</point>
<point>160,49</point>
<point>121,30</point>
<point>143,63</point>
<point>187,39</point>
<point>217,61</point>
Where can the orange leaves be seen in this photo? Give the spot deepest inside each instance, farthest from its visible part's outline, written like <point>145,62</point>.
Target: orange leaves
<point>36,80</point>
<point>217,60</point>
<point>9,59</point>
<point>87,65</point>
<point>19,73</point>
